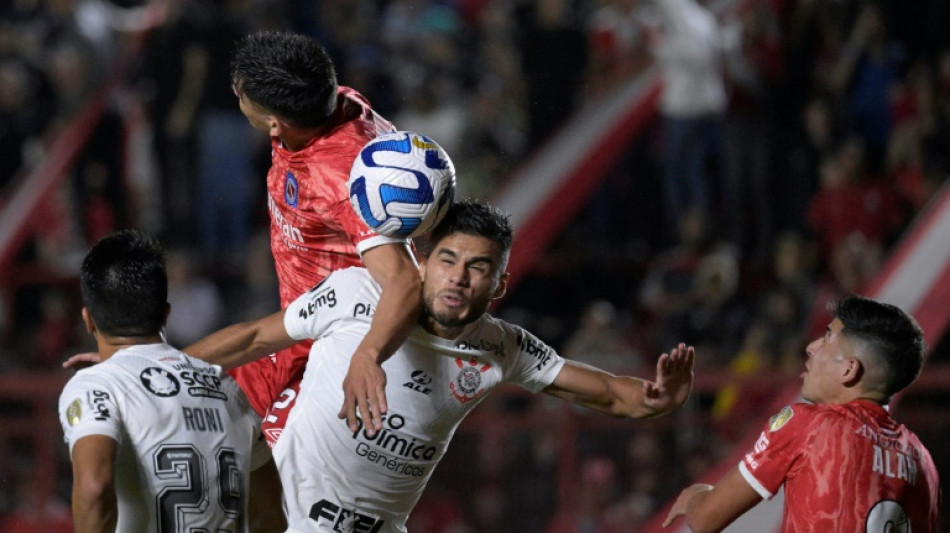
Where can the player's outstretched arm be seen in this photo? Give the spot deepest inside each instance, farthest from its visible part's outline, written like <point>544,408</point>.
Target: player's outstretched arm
<point>398,310</point>
<point>709,509</point>
<point>95,507</point>
<point>242,343</point>
<point>626,396</point>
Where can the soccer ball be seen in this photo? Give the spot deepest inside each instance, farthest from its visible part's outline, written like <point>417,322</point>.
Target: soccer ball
<point>401,184</point>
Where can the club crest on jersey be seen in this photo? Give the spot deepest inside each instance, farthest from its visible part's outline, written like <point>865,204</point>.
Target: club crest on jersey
<point>291,189</point>
<point>779,420</point>
<point>467,385</point>
<point>160,382</point>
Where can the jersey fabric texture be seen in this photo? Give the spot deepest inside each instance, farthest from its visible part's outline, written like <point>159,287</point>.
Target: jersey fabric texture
<point>845,467</point>
<point>340,480</point>
<point>187,437</point>
<point>314,231</point>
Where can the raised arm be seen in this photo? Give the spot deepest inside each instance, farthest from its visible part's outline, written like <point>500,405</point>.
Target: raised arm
<point>95,507</point>
<point>242,343</point>
<point>625,396</point>
<point>400,303</point>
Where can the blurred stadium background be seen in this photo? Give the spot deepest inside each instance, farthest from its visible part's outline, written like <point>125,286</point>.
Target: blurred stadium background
<point>828,175</point>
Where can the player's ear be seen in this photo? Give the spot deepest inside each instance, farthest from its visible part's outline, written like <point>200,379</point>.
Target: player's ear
<point>852,372</point>
<point>88,321</point>
<point>502,287</point>
<point>275,126</point>
<point>423,261</point>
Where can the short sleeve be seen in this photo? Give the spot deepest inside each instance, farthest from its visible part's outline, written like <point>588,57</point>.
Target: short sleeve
<point>309,316</point>
<point>87,406</point>
<point>775,453</point>
<point>535,365</point>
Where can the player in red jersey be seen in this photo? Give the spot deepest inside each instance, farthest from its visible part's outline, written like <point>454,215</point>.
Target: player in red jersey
<point>845,463</point>
<point>287,87</point>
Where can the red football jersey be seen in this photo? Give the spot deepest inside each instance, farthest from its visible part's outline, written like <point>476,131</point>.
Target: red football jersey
<point>845,467</point>
<point>314,231</point>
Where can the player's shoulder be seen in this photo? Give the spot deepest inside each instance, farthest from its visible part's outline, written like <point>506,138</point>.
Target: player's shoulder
<point>808,415</point>
<point>353,276</point>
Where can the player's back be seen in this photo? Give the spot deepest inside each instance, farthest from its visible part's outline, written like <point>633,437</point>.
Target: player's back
<point>185,435</point>
<point>861,471</point>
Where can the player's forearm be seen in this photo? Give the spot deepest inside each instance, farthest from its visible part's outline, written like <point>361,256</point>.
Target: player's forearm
<point>242,343</point>
<point>94,512</point>
<point>397,312</point>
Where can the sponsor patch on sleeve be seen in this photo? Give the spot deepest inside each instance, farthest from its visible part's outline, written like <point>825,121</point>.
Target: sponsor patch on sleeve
<point>779,420</point>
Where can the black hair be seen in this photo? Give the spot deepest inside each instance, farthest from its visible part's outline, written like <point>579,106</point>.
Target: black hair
<point>891,336</point>
<point>478,219</point>
<point>288,74</point>
<point>124,285</point>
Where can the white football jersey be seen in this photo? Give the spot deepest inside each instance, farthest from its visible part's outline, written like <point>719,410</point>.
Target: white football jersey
<point>338,480</point>
<point>187,438</point>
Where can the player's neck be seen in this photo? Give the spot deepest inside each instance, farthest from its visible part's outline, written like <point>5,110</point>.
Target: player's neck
<point>108,345</point>
<point>296,139</point>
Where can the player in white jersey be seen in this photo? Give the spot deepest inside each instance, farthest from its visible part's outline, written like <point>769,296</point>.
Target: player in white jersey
<point>159,441</point>
<point>343,480</point>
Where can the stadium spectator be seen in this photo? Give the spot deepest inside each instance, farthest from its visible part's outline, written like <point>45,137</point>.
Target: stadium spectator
<point>873,472</point>
<point>454,357</point>
<point>131,422</point>
<point>688,46</point>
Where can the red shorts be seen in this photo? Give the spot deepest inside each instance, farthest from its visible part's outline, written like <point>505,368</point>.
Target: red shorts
<point>271,384</point>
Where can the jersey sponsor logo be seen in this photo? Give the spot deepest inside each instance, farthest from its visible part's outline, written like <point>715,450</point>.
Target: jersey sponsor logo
<point>393,449</point>
<point>318,299</point>
<point>419,382</point>
<point>97,399</point>
<point>292,236</point>
<point>482,345</point>
<point>778,421</point>
<point>535,349</point>
<point>363,309</point>
<point>467,385</point>
<point>74,412</point>
<point>160,382</point>
<point>344,520</point>
<point>291,189</point>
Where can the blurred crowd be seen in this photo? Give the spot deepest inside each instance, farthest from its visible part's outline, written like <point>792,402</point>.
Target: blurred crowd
<point>795,140</point>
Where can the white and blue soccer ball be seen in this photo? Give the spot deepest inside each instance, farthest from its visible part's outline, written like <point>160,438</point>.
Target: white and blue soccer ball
<point>401,184</point>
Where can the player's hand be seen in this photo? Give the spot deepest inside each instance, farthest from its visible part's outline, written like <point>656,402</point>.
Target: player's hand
<point>682,502</point>
<point>82,360</point>
<point>364,391</point>
<point>674,379</point>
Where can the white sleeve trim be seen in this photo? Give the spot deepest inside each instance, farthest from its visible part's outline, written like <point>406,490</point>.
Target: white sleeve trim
<point>753,482</point>
<point>377,240</point>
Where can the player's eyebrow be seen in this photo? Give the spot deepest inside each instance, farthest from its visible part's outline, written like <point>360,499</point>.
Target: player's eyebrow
<point>446,252</point>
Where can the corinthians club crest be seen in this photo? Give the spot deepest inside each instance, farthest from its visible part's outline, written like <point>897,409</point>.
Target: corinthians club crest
<point>467,385</point>
<point>160,382</point>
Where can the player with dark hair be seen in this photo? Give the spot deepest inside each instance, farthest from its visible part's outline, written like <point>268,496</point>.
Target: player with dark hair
<point>159,440</point>
<point>287,87</point>
<point>846,464</point>
<point>339,478</point>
